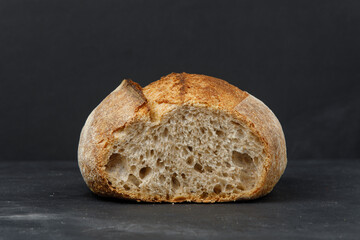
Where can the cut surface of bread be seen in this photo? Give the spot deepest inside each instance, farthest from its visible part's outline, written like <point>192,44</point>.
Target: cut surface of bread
<point>193,151</point>
<point>147,146</point>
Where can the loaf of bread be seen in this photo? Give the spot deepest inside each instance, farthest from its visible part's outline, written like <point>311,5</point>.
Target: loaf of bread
<point>185,137</point>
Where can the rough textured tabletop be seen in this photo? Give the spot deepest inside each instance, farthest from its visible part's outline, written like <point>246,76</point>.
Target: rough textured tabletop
<point>317,199</point>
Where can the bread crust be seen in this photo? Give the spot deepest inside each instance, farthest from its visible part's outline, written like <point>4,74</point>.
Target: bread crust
<point>130,103</point>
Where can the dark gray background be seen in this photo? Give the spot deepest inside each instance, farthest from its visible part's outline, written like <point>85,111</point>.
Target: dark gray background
<point>59,59</point>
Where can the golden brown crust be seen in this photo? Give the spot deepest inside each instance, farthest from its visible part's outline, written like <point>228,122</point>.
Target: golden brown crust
<point>180,88</point>
<point>129,103</point>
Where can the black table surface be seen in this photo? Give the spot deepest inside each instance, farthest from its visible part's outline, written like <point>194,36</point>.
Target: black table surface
<point>315,199</point>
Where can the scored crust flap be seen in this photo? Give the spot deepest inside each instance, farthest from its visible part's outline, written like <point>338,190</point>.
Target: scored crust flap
<point>266,124</point>
<point>117,109</point>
